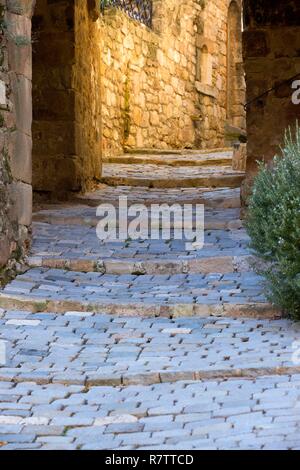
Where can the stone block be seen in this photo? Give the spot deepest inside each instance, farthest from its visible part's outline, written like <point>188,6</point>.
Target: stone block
<point>22,102</point>
<point>21,158</point>
<point>2,94</point>
<point>255,44</point>
<point>21,196</point>
<point>21,7</point>
<point>239,159</point>
<point>4,251</point>
<point>19,45</point>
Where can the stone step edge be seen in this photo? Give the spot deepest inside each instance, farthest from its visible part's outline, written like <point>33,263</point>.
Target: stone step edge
<point>148,378</point>
<point>182,151</point>
<point>231,202</point>
<point>262,310</point>
<point>217,181</point>
<point>119,266</point>
<point>93,222</point>
<point>168,161</point>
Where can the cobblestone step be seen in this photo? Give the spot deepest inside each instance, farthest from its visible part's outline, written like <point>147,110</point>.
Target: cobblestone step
<point>222,198</point>
<point>170,151</point>
<point>73,214</point>
<point>77,248</point>
<point>159,351</point>
<point>101,350</point>
<point>55,290</point>
<point>195,158</point>
<point>111,265</point>
<point>240,414</point>
<point>158,176</point>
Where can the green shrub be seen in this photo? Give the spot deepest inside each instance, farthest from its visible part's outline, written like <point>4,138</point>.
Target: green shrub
<point>273,223</point>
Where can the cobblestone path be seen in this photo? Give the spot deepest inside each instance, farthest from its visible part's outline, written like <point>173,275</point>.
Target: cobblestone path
<point>146,344</point>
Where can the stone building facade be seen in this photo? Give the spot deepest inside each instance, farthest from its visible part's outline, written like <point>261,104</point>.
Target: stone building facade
<point>166,87</point>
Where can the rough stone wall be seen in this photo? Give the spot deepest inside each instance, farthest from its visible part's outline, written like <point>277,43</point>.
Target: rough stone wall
<point>148,92</point>
<point>55,163</point>
<point>236,87</point>
<point>67,107</point>
<point>216,73</point>
<point>87,86</point>
<point>271,43</point>
<point>165,87</point>
<point>66,96</point>
<point>15,132</point>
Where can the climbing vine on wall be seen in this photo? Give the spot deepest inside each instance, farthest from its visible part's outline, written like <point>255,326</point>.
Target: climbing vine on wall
<point>140,10</point>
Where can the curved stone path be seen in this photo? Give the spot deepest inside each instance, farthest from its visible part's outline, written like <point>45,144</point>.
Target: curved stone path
<point>93,381</point>
<point>143,345</point>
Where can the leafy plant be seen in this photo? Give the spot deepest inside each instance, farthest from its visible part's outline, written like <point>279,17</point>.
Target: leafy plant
<point>273,224</point>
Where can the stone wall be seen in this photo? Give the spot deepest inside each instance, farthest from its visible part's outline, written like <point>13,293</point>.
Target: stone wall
<point>87,86</point>
<point>236,87</point>
<point>67,110</point>
<point>166,86</point>
<point>271,56</point>
<point>55,163</point>
<point>66,96</point>
<point>219,74</point>
<point>15,133</point>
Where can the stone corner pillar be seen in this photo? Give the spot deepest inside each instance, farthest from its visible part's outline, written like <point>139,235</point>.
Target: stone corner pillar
<point>271,44</point>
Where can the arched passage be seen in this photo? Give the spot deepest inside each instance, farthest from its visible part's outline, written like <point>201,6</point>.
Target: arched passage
<point>66,96</point>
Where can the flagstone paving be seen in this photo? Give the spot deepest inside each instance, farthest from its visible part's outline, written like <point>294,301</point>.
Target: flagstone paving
<point>56,245</point>
<point>159,176</point>
<point>146,344</point>
<point>213,198</point>
<point>125,294</point>
<point>85,348</point>
<point>261,413</point>
<point>80,214</point>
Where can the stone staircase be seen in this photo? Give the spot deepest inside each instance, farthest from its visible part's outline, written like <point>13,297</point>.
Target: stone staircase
<point>70,269</point>
<point>145,344</point>
<point>173,158</point>
<point>168,170</point>
<point>152,176</point>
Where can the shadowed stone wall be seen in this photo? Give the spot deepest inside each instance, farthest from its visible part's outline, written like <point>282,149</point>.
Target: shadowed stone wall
<point>67,110</point>
<point>55,163</point>
<point>15,133</point>
<point>66,96</point>
<point>271,43</point>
